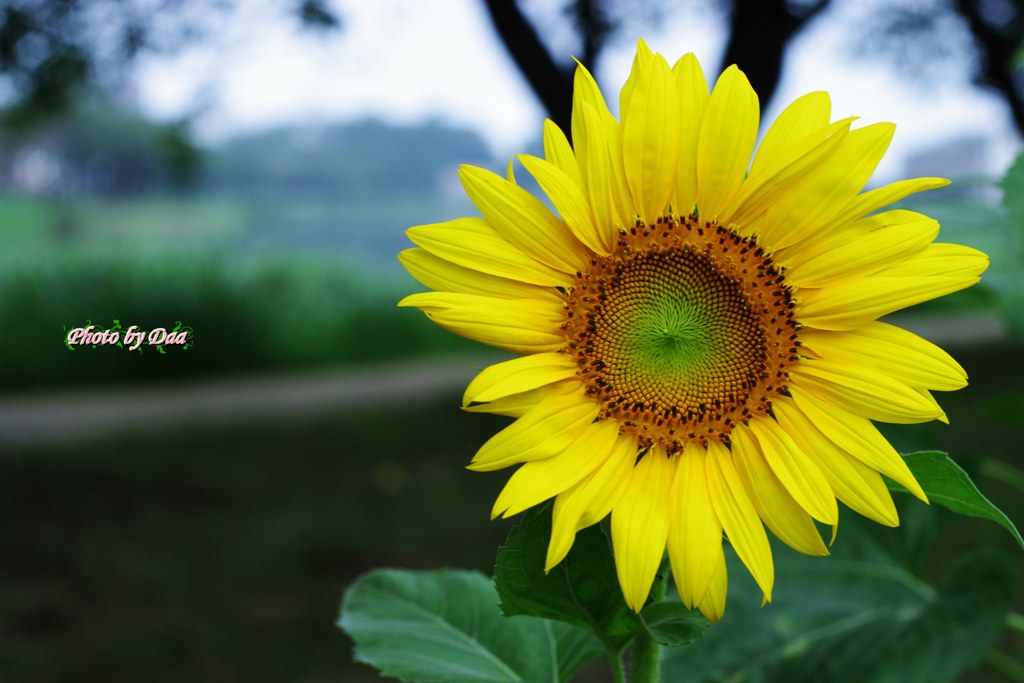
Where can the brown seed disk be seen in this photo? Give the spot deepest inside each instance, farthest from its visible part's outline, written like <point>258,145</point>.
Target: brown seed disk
<point>681,333</point>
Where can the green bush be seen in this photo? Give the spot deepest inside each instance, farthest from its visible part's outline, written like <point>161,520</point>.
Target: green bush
<point>262,313</point>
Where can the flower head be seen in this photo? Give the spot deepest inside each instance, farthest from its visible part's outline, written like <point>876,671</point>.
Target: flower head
<point>700,337</point>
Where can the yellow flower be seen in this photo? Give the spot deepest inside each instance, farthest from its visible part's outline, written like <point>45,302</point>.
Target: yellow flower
<point>702,350</point>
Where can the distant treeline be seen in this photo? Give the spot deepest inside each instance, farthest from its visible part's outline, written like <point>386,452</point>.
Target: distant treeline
<point>350,161</point>
<point>102,151</point>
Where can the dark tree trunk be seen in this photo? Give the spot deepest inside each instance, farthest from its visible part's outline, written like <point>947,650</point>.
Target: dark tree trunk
<point>759,32</point>
<point>997,47</point>
<point>551,83</point>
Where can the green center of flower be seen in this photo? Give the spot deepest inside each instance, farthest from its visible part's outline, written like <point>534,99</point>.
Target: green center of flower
<point>683,331</point>
<point>679,331</point>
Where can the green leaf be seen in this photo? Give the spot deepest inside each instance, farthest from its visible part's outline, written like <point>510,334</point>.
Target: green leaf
<point>671,623</point>
<point>836,619</point>
<point>582,590</point>
<point>948,485</point>
<point>445,627</point>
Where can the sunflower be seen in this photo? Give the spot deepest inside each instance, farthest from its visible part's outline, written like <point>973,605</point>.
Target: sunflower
<point>701,349</point>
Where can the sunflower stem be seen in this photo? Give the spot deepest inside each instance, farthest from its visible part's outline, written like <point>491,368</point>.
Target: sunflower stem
<point>646,660</point>
<point>618,672</point>
<point>646,650</point>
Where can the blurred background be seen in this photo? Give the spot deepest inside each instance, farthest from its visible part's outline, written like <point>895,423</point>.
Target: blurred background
<point>247,169</point>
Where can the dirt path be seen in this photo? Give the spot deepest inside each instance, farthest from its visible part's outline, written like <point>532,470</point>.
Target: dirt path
<point>85,413</point>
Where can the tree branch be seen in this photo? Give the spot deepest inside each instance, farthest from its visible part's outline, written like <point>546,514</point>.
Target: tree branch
<point>759,31</point>
<point>997,52</point>
<point>551,83</point>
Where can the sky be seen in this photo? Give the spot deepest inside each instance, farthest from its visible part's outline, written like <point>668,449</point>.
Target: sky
<point>408,61</point>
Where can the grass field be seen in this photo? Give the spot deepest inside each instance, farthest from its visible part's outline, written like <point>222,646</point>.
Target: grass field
<point>222,555</point>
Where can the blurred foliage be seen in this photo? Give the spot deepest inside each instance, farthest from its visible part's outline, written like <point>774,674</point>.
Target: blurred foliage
<point>220,554</point>
<point>63,61</point>
<point>54,52</point>
<point>969,216</point>
<point>247,314</point>
<point>1011,283</point>
<point>283,231</point>
<point>98,150</point>
<point>359,160</point>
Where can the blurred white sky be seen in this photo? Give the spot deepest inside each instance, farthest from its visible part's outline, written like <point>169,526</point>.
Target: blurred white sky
<point>408,61</point>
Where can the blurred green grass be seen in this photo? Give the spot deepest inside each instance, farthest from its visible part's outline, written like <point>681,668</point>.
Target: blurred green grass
<point>221,554</point>
<point>152,261</point>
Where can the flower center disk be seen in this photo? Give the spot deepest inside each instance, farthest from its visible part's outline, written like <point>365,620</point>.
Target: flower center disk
<point>685,330</point>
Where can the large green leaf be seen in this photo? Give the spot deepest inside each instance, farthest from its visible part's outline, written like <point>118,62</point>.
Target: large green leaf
<point>835,620</point>
<point>949,486</point>
<point>445,627</point>
<point>671,623</point>
<point>582,590</point>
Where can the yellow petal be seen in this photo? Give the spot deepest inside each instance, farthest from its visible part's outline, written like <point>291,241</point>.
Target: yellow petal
<point>474,243</point>
<point>692,89</point>
<point>602,173</point>
<point>884,196</point>
<point>739,517</point>
<point>544,308</point>
<point>522,219</point>
<point>518,375</point>
<point>801,477</point>
<point>571,204</point>
<point>849,254</point>
<point>547,429</point>
<point>807,113</point>
<point>585,92</point>
<point>942,260</point>
<point>854,483</point>
<point>517,405</point>
<point>713,604</point>
<point>650,134</point>
<point>892,351</point>
<point>795,255</point>
<point>727,136</point>
<point>854,302</point>
<point>812,203</point>
<point>597,140</point>
<point>591,500</point>
<point>536,481</point>
<point>862,391</point>
<point>445,276</point>
<point>640,525</point>
<point>782,179</point>
<point>858,437</point>
<point>774,503</point>
<point>695,536</point>
<point>558,151</point>
<point>517,325</point>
